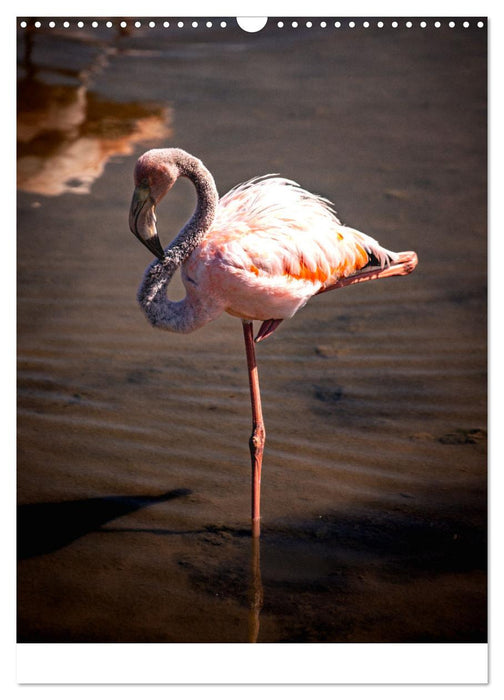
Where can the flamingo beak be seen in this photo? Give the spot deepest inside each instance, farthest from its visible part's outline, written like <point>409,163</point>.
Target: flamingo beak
<point>142,220</point>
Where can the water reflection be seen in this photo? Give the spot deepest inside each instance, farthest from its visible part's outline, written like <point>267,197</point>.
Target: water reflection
<point>66,133</point>
<point>256,593</point>
<point>233,576</point>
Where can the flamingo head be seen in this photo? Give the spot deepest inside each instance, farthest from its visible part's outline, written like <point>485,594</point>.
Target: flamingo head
<point>155,174</point>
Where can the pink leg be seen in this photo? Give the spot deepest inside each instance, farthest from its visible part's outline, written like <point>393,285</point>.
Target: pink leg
<point>258,436</point>
<point>405,263</point>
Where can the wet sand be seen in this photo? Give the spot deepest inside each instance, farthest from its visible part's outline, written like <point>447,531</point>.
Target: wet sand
<point>133,464</point>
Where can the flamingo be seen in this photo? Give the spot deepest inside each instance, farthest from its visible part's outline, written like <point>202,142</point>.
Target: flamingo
<point>259,253</point>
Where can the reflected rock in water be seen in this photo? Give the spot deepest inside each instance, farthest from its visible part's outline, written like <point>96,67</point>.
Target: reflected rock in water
<point>66,135</point>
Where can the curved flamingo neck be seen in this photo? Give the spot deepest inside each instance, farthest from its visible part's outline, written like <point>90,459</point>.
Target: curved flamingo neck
<point>190,313</point>
<point>207,199</point>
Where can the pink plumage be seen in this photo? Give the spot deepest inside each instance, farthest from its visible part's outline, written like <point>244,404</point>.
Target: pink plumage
<point>272,246</point>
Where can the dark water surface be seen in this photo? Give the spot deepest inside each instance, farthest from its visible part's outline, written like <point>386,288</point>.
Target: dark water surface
<point>133,464</point>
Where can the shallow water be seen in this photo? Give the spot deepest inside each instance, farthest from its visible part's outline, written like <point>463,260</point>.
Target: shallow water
<point>133,464</point>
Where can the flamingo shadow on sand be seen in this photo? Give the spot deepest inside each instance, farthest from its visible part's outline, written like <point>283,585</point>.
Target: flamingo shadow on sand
<point>46,527</point>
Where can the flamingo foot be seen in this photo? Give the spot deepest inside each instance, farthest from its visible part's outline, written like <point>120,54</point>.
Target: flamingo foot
<point>267,328</point>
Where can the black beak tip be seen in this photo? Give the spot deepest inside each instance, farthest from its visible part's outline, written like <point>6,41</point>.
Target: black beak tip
<point>155,247</point>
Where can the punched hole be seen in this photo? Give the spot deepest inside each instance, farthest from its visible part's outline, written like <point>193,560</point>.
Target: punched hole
<point>251,24</point>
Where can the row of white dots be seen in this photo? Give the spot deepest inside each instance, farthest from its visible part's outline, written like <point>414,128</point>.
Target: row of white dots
<point>123,24</point>
<point>351,24</point>
<point>366,24</point>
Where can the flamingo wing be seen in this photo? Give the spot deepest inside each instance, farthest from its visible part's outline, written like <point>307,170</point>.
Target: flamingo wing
<point>273,246</point>
<point>286,231</point>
